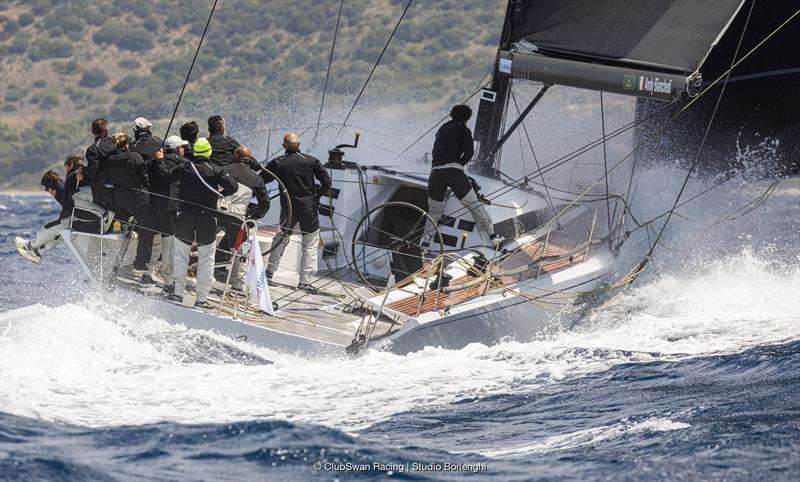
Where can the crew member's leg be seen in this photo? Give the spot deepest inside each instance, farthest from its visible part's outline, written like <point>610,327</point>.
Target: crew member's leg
<point>308,263</point>
<point>184,235</point>
<point>49,236</point>
<point>279,243</point>
<point>206,232</point>
<point>239,268</point>
<point>462,188</point>
<point>145,230</point>
<point>231,225</point>
<point>437,192</point>
<point>84,199</point>
<point>166,221</point>
<point>46,238</point>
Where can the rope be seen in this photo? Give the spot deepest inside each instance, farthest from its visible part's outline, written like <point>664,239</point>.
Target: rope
<point>188,74</point>
<point>369,77</point>
<point>327,74</point>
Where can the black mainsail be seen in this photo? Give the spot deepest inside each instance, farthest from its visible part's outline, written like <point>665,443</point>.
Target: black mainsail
<point>657,50</point>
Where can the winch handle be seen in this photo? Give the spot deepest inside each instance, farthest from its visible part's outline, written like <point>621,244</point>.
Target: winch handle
<point>354,145</point>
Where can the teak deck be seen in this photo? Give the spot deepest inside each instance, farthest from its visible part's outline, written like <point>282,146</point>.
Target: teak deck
<point>528,254</point>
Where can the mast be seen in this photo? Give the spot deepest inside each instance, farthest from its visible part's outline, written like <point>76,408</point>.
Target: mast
<point>493,103</point>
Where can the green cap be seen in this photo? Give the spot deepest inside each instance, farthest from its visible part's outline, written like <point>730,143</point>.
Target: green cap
<point>202,148</point>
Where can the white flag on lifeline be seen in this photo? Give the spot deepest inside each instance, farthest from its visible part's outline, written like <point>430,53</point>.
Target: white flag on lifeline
<point>257,278</point>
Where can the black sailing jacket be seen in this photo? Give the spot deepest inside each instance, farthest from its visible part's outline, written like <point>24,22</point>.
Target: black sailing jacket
<point>194,194</point>
<point>453,144</point>
<point>129,173</point>
<point>64,197</point>
<point>222,148</point>
<point>165,192</point>
<point>146,145</point>
<point>299,173</point>
<point>96,155</point>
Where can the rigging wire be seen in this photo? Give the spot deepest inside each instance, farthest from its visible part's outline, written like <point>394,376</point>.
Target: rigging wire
<point>692,166</point>
<point>369,77</point>
<point>481,84</point>
<point>535,159</point>
<point>327,73</point>
<point>558,162</point>
<point>189,73</point>
<point>605,160</point>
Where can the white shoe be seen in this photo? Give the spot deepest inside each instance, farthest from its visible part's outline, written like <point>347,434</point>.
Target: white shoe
<point>497,240</point>
<point>27,252</point>
<point>105,222</point>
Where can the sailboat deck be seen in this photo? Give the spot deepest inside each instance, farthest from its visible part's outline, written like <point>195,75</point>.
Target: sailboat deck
<point>314,315</point>
<point>525,256</point>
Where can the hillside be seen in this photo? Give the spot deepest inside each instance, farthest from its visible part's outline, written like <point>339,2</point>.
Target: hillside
<point>261,64</point>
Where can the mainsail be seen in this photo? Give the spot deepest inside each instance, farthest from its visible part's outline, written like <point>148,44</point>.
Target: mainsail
<point>662,35</point>
<point>654,50</point>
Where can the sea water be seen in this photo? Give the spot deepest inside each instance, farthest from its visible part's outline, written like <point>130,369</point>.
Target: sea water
<point>691,373</point>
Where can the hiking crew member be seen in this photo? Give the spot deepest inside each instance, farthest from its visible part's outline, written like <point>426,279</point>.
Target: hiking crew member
<point>164,195</point>
<point>239,208</point>
<point>299,172</point>
<point>189,132</point>
<point>128,171</point>
<point>200,186</point>
<point>73,181</point>
<point>98,196</point>
<point>61,190</point>
<point>451,151</point>
<point>144,144</point>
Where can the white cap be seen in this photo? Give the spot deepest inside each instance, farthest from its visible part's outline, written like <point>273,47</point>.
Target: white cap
<point>142,123</point>
<point>173,142</point>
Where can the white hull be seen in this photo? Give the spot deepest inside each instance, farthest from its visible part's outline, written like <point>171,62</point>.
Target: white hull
<point>522,306</point>
<point>488,319</point>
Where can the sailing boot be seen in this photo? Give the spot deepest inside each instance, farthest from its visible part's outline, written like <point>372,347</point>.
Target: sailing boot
<point>27,251</point>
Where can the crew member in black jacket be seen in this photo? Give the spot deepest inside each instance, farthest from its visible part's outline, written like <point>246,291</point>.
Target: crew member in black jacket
<point>145,143</point>
<point>97,196</point>
<point>96,156</point>
<point>451,151</point>
<point>224,146</point>
<point>189,132</point>
<point>221,145</point>
<point>239,208</point>
<point>299,172</point>
<point>164,194</point>
<point>201,185</point>
<point>62,191</point>
<point>128,171</point>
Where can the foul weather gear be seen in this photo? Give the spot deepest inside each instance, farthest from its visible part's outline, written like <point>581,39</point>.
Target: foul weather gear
<point>453,144</point>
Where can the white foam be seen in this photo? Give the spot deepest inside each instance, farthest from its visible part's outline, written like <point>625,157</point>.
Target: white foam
<point>94,366</point>
<point>589,436</point>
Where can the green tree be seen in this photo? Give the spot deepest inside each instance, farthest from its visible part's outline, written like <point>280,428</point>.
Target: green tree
<point>45,48</point>
<point>93,78</point>
<point>26,19</point>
